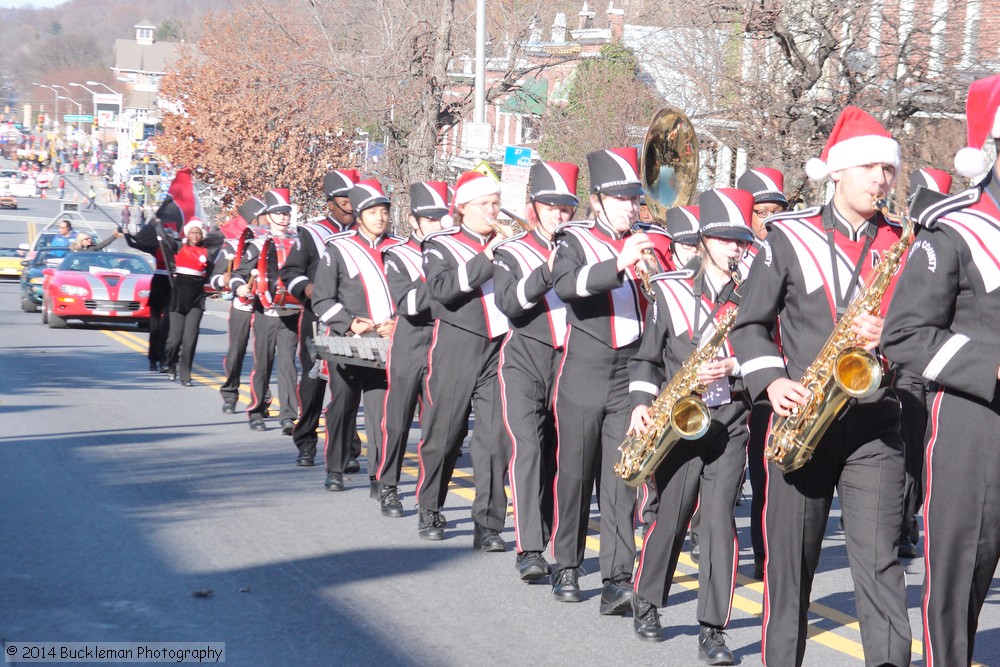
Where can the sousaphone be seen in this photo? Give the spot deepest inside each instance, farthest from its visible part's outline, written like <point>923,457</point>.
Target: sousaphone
<point>669,162</point>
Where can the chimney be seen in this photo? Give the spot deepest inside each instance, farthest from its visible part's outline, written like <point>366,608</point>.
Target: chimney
<point>559,28</point>
<point>616,21</point>
<point>586,17</point>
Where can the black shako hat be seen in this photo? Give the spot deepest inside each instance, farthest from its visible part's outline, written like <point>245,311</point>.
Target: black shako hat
<point>338,182</point>
<point>615,172</point>
<point>554,183</point>
<point>429,199</point>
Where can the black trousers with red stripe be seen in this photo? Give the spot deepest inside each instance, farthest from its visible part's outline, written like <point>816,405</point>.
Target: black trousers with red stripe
<point>592,411</point>
<point>406,369</point>
<point>274,339</point>
<point>961,523</point>
<point>527,373</point>
<point>462,371</point>
<point>183,341</point>
<point>239,338</point>
<point>760,418</point>
<point>861,457</point>
<point>348,386</point>
<point>711,466</point>
<point>912,392</point>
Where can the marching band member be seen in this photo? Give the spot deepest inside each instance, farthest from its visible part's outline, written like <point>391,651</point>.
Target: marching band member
<point>276,317</point>
<point>911,388</point>
<point>406,365</point>
<point>529,357</point>
<point>687,307</point>
<point>861,454</point>
<point>351,296</point>
<point>594,274</point>
<point>943,324</point>
<point>240,310</point>
<point>187,301</point>
<point>767,187</point>
<point>298,274</point>
<point>462,365</point>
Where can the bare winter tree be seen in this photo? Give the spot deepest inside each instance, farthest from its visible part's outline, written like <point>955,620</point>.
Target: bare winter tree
<point>769,78</point>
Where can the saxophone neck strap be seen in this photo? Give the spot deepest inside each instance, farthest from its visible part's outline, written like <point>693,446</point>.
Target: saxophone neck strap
<point>723,297</point>
<point>841,299</point>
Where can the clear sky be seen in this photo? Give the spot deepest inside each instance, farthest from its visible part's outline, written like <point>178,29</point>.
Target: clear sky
<point>7,4</point>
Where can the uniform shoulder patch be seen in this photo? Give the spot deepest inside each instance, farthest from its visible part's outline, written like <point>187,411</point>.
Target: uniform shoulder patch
<point>441,232</point>
<point>680,274</point>
<point>516,237</point>
<point>931,214</point>
<point>583,224</point>
<point>800,215</point>
<point>346,234</point>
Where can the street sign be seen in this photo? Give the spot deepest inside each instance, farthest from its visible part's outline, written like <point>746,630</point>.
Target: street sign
<point>477,138</point>
<point>485,170</point>
<point>78,118</point>
<point>516,164</point>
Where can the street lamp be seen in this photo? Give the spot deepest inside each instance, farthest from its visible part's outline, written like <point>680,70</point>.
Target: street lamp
<point>93,101</point>
<point>79,107</point>
<point>98,83</point>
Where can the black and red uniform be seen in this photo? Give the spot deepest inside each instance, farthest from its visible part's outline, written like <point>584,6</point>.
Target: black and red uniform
<point>682,318</point>
<point>793,288</point>
<point>275,332</point>
<point>462,372</point>
<point>406,365</point>
<point>529,363</point>
<point>605,309</point>
<point>351,283</point>
<point>298,273</point>
<point>240,315</point>
<point>192,268</point>
<point>944,324</point>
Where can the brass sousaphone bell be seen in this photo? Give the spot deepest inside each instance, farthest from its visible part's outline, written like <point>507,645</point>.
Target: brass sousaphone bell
<point>668,170</point>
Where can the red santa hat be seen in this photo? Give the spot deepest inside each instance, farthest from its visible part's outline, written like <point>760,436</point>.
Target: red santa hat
<point>857,139</point>
<point>192,223</point>
<point>982,114</point>
<point>470,186</point>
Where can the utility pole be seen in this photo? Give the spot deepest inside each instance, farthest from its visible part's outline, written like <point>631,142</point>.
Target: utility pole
<point>480,111</point>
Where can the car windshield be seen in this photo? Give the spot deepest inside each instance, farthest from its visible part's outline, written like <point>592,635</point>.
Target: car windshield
<point>104,261</point>
<point>9,252</point>
<point>50,257</point>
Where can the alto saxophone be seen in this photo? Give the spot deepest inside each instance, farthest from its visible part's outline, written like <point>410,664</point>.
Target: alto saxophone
<point>842,370</point>
<point>677,413</point>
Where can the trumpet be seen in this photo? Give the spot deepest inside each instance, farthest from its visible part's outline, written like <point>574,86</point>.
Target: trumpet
<point>649,266</point>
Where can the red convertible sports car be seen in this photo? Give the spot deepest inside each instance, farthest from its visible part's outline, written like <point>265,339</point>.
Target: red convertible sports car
<point>97,287</point>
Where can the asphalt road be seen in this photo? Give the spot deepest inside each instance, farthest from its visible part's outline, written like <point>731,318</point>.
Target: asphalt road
<point>123,495</point>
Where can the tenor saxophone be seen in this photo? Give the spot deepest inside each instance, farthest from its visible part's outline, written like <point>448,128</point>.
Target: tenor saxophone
<point>677,413</point>
<point>842,370</point>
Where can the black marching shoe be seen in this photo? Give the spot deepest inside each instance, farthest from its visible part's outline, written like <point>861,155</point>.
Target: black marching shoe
<point>758,568</point>
<point>287,426</point>
<point>307,457</point>
<point>615,599</point>
<point>532,566</point>
<point>154,367</point>
<point>187,383</point>
<point>389,500</point>
<point>171,372</point>
<point>257,423</point>
<point>430,525</point>
<point>373,490</point>
<point>353,466</point>
<point>487,539</point>
<point>566,584</point>
<point>229,407</point>
<point>334,481</point>
<point>712,647</point>
<point>646,620</point>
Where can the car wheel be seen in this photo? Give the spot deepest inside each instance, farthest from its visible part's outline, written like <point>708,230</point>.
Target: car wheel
<point>54,321</point>
<point>143,326</point>
<point>27,305</point>
<point>45,311</point>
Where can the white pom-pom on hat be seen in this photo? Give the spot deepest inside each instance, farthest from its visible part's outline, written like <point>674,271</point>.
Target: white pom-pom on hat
<point>971,162</point>
<point>816,169</point>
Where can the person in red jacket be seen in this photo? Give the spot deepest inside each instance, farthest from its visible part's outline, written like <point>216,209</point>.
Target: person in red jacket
<point>192,269</point>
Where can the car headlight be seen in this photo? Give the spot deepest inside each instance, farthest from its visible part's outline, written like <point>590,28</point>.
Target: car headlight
<point>144,294</point>
<point>73,290</point>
